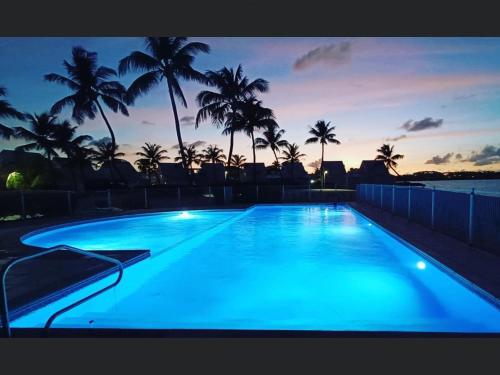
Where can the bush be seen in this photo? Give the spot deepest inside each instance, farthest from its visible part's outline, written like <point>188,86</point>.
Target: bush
<point>15,180</point>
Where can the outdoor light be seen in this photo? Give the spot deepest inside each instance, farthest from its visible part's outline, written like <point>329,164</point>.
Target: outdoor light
<point>421,265</point>
<point>312,181</point>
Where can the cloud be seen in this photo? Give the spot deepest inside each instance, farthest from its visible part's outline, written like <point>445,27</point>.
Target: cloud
<point>187,120</point>
<point>459,156</point>
<point>488,155</point>
<point>464,97</point>
<point>440,159</point>
<point>102,140</point>
<point>395,139</point>
<point>426,123</point>
<point>145,122</point>
<point>331,54</point>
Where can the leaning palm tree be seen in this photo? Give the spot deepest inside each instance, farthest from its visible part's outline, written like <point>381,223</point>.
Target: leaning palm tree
<point>90,85</point>
<point>272,139</point>
<point>251,116</point>
<point>151,155</point>
<point>322,132</point>
<point>7,111</point>
<point>39,135</point>
<point>386,154</point>
<point>168,58</point>
<point>232,87</point>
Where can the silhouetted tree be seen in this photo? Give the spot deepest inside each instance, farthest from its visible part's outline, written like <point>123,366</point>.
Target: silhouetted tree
<point>386,154</point>
<point>7,111</point>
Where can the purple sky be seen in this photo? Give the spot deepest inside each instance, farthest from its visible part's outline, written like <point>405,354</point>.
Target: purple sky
<point>436,99</point>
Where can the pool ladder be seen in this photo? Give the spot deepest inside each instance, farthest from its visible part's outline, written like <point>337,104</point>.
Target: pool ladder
<point>6,267</point>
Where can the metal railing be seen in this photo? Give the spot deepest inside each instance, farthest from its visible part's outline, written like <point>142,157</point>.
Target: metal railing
<point>9,265</point>
<point>470,217</point>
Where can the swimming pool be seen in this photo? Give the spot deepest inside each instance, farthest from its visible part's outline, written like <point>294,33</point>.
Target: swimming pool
<point>270,267</point>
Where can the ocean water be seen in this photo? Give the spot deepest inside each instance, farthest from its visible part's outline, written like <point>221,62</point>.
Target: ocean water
<point>485,187</point>
<point>300,267</point>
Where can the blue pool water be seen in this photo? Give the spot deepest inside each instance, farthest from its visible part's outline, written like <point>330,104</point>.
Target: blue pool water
<point>305,267</point>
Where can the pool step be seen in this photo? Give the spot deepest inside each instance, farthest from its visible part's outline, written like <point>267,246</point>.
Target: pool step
<point>46,279</point>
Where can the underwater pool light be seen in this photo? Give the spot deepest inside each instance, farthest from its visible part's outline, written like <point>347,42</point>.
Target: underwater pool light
<point>185,215</point>
<point>421,265</point>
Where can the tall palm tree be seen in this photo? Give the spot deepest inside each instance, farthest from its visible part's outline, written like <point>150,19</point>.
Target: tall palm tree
<point>168,58</point>
<point>272,139</point>
<point>40,134</point>
<point>214,154</point>
<point>90,85</point>
<point>7,111</point>
<point>322,132</point>
<point>251,116</point>
<point>151,155</point>
<point>232,87</point>
<point>386,154</point>
<point>192,156</point>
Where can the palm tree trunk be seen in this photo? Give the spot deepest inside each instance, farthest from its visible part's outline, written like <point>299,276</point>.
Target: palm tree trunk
<point>322,157</point>
<point>178,127</point>
<point>254,157</point>
<point>394,170</point>
<point>281,172</point>
<point>113,143</point>
<point>231,143</point>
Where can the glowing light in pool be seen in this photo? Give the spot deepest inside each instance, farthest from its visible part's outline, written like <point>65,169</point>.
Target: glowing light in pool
<point>421,265</point>
<point>369,224</point>
<point>185,215</point>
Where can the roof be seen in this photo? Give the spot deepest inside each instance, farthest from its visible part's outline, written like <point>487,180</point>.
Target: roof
<point>373,167</point>
<point>173,173</point>
<point>334,167</point>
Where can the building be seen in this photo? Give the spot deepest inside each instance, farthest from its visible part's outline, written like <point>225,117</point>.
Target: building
<point>370,172</point>
<point>294,173</point>
<point>211,174</point>
<point>248,173</point>
<point>335,176</point>
<point>173,174</point>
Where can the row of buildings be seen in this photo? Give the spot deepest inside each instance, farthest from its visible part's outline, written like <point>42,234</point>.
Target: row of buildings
<point>85,176</point>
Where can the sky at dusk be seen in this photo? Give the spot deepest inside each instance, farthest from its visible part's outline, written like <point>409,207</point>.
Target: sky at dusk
<point>436,99</point>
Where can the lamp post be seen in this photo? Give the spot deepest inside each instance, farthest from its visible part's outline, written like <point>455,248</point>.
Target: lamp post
<point>324,177</point>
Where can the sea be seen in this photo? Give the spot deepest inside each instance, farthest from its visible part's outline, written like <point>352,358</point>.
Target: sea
<point>484,187</point>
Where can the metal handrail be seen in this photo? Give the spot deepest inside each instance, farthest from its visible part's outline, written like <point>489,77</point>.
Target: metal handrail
<point>9,265</point>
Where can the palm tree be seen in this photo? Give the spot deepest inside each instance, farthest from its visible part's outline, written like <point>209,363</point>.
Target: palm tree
<point>191,155</point>
<point>292,156</point>
<point>272,139</point>
<point>292,153</point>
<point>106,153</point>
<point>40,135</point>
<point>7,111</point>
<point>238,161</point>
<point>389,159</point>
<point>322,132</point>
<point>214,154</point>
<point>73,147</point>
<point>170,58</point>
<point>90,86</point>
<point>250,116</point>
<point>151,155</point>
<point>232,88</point>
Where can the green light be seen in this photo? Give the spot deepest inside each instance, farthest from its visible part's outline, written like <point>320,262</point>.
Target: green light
<point>15,180</point>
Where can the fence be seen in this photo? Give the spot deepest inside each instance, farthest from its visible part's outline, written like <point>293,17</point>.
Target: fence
<point>33,203</point>
<point>469,217</point>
